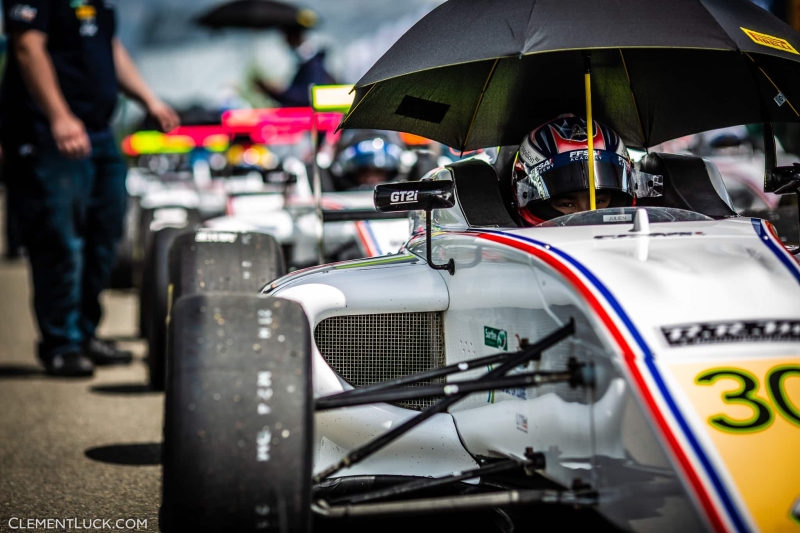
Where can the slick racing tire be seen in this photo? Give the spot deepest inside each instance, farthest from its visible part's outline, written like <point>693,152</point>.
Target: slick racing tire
<point>152,220</point>
<point>154,302</point>
<point>224,261</point>
<point>208,261</point>
<point>238,430</point>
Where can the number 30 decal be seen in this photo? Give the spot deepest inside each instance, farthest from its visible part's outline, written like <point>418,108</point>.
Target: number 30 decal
<point>763,415</point>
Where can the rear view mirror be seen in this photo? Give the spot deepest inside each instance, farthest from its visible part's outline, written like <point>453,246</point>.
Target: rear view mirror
<point>415,196</point>
<point>419,196</point>
<point>783,180</point>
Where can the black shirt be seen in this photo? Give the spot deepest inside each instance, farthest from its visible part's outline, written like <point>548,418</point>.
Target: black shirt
<point>79,41</point>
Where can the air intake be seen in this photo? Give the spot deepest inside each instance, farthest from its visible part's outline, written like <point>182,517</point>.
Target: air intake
<point>367,349</point>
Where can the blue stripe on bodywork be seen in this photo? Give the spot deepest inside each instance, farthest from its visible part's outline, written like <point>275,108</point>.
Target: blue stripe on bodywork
<point>764,237</point>
<point>730,507</point>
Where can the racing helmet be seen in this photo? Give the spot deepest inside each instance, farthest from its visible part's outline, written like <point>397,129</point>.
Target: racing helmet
<point>362,153</point>
<point>553,160</point>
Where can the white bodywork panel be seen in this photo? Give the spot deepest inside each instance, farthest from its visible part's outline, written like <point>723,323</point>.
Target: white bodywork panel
<point>433,448</point>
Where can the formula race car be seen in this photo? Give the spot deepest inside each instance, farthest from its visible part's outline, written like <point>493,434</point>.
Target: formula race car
<point>650,415</point>
<point>640,361</point>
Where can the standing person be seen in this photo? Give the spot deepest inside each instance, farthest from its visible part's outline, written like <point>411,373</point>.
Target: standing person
<point>64,70</point>
<point>310,71</point>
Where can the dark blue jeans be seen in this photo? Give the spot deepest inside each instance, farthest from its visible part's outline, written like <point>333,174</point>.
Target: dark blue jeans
<point>70,215</point>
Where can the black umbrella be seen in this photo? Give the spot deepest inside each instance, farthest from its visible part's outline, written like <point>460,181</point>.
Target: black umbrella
<point>259,14</point>
<point>477,73</point>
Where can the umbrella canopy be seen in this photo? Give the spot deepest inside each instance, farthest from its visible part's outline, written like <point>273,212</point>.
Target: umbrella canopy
<point>477,73</point>
<point>259,14</point>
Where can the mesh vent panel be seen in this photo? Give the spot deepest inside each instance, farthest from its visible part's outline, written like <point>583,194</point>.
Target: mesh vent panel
<point>367,349</point>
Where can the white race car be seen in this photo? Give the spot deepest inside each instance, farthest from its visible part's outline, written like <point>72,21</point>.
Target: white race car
<point>643,362</point>
<point>352,227</point>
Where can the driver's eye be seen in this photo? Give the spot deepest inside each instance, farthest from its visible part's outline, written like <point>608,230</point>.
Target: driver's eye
<point>565,204</point>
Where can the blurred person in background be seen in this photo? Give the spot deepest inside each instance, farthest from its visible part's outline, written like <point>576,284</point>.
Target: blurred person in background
<point>311,70</point>
<point>64,71</point>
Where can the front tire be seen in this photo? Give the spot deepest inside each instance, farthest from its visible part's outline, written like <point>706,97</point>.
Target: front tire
<point>238,420</point>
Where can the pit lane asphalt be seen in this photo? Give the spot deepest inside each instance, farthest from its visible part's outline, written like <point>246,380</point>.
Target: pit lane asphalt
<point>86,448</point>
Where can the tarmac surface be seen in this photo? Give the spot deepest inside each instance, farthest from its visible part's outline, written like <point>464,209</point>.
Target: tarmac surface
<point>85,448</point>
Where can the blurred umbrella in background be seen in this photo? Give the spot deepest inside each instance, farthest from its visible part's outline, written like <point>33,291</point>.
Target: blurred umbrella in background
<point>258,14</point>
<point>473,74</point>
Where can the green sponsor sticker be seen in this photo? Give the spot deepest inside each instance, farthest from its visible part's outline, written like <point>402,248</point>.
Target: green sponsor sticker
<point>496,338</point>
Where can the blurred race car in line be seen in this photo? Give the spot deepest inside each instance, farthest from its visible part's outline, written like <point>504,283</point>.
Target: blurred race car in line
<point>285,213</point>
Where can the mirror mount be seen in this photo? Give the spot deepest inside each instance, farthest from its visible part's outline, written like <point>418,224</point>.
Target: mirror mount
<point>419,196</point>
<point>450,266</point>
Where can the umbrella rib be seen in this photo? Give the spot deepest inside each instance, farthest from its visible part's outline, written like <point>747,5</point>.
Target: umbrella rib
<point>772,82</point>
<point>480,100</point>
<point>633,96</point>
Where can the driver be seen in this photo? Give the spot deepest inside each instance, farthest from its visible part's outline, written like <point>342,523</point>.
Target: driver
<point>365,158</point>
<point>551,173</point>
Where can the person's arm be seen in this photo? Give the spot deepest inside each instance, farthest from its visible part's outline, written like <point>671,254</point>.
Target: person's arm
<point>37,69</point>
<point>134,86</point>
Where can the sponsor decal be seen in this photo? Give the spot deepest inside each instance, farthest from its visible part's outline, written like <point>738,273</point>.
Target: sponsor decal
<point>496,338</point>
<point>24,13</point>
<point>86,14</point>
<point>403,197</point>
<point>657,234</point>
<point>522,423</point>
<point>769,41</point>
<point>215,237</point>
<point>618,218</point>
<point>543,167</point>
<point>517,393</point>
<point>723,332</point>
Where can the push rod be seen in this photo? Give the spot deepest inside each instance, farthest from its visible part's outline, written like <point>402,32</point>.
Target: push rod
<point>423,376</point>
<point>362,452</point>
<point>471,502</point>
<point>528,379</point>
<point>424,484</point>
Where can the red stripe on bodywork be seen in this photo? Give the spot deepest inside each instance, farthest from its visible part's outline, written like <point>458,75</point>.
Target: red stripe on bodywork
<point>630,360</point>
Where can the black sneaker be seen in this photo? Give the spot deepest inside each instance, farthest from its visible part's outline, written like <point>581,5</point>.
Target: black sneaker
<point>72,364</point>
<point>106,353</point>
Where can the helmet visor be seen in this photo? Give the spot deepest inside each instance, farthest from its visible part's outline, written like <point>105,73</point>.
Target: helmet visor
<point>569,172</point>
